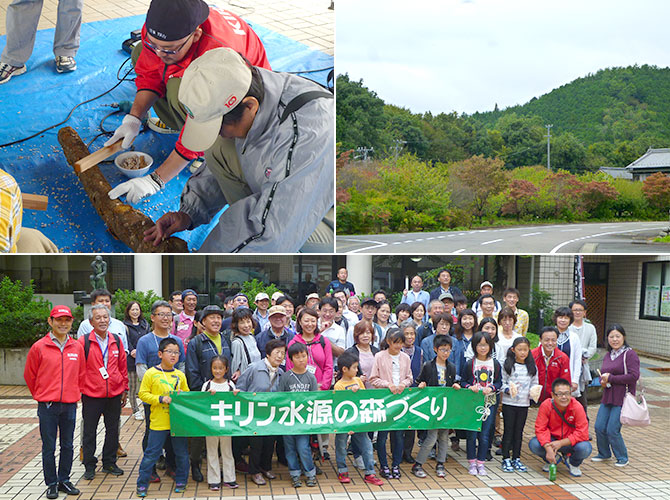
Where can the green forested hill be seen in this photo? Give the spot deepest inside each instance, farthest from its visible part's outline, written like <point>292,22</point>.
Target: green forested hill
<point>608,118</point>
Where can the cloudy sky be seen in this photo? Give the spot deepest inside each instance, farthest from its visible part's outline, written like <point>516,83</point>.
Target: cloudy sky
<point>468,55</point>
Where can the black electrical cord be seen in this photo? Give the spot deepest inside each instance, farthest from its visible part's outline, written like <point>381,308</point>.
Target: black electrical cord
<point>104,132</point>
<point>18,141</point>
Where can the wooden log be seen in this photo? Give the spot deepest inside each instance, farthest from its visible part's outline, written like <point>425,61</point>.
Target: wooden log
<point>124,222</point>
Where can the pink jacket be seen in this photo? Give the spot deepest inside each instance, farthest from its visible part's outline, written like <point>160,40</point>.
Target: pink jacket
<point>382,370</point>
<point>319,357</point>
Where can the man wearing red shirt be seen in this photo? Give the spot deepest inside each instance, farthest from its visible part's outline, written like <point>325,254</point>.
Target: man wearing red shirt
<point>54,370</point>
<point>551,363</point>
<point>104,391</point>
<point>561,430</point>
<point>176,33</point>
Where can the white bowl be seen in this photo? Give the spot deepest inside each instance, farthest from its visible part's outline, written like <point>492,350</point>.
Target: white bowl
<point>133,173</point>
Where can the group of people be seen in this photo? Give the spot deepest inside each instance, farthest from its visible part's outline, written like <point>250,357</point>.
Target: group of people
<point>335,342</point>
<point>261,138</point>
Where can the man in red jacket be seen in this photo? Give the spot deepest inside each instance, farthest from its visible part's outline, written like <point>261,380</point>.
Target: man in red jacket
<point>561,430</point>
<point>551,363</point>
<point>104,390</point>
<point>176,33</point>
<point>54,371</point>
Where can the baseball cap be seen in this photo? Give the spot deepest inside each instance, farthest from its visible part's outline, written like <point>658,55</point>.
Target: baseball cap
<point>370,302</point>
<point>213,309</point>
<point>312,296</point>
<point>170,20</point>
<point>261,296</point>
<point>485,283</point>
<point>276,295</point>
<point>445,295</point>
<point>60,311</point>
<point>188,292</point>
<point>277,310</point>
<point>212,85</point>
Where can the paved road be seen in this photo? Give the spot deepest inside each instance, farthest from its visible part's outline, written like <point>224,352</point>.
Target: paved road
<point>619,237</point>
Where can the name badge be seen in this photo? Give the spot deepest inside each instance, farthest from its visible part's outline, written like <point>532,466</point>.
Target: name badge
<point>103,372</point>
<point>311,369</point>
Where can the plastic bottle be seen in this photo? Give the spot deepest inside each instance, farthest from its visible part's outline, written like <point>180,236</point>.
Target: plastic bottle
<point>552,472</point>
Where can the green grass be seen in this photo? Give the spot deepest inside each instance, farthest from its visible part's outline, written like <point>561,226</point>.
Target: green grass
<point>664,239</point>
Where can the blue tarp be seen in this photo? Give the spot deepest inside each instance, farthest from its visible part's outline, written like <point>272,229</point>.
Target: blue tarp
<point>41,97</point>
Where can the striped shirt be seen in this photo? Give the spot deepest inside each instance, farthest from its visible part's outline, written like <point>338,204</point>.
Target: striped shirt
<point>11,210</point>
<point>523,383</point>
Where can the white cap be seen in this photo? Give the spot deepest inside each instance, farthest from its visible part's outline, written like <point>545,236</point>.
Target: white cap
<point>261,296</point>
<point>485,283</point>
<point>212,85</point>
<point>276,295</point>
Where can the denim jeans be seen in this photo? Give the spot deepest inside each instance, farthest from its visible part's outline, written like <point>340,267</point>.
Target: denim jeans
<point>360,442</point>
<point>397,447</point>
<point>484,437</point>
<point>299,451</point>
<point>608,432</point>
<point>57,418</point>
<point>153,451</point>
<point>578,452</point>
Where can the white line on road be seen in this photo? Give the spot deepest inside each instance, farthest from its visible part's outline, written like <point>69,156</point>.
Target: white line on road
<point>459,251</point>
<point>431,238</point>
<point>440,237</point>
<point>558,247</point>
<point>397,242</point>
<point>492,241</point>
<point>530,234</point>
<point>377,244</point>
<point>408,241</point>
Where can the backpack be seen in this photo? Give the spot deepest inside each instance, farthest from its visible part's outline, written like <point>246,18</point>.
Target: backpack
<point>87,343</point>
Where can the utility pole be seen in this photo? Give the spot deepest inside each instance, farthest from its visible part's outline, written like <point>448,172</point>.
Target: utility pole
<point>397,147</point>
<point>548,146</point>
<point>363,152</point>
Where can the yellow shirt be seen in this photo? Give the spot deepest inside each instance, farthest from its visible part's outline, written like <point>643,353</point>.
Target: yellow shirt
<point>156,383</point>
<point>216,338</point>
<point>341,385</point>
<point>11,212</point>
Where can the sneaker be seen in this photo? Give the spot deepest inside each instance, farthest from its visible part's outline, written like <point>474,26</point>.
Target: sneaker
<point>120,452</point>
<point>574,471</point>
<point>241,466</point>
<point>326,455</point>
<point>343,477</point>
<point>599,458</point>
<point>310,482</point>
<point>432,454</point>
<point>157,125</point>
<point>418,471</point>
<point>114,470</point>
<point>160,465</point>
<point>7,71</point>
<point>139,415</point>
<point>545,467</point>
<point>481,470</point>
<point>141,491</point>
<point>372,479</point>
<point>214,486</point>
<point>295,482</point>
<point>318,470</point>
<point>385,472</point>
<point>395,472</point>
<point>90,473</point>
<point>499,451</point>
<point>359,463</point>
<point>507,465</point>
<point>489,457</point>
<point>232,484</point>
<point>440,470</point>
<point>179,488</point>
<point>65,64</point>
<point>170,472</point>
<point>455,446</point>
<point>622,462</point>
<point>472,468</point>
<point>518,465</point>
<point>153,478</point>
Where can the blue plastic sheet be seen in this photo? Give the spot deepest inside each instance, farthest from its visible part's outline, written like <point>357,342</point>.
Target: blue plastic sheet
<point>42,97</point>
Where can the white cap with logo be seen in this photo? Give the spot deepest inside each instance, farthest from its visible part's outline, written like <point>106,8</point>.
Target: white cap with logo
<point>212,85</point>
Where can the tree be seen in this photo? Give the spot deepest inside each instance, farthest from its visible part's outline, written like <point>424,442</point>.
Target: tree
<point>520,195</point>
<point>656,189</point>
<point>476,179</point>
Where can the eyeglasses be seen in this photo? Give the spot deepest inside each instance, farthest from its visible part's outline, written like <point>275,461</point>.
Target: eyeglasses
<point>163,315</point>
<point>562,394</point>
<point>444,349</point>
<point>166,51</point>
<point>171,353</point>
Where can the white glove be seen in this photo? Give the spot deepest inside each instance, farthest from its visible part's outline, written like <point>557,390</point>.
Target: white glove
<point>128,130</point>
<point>135,189</point>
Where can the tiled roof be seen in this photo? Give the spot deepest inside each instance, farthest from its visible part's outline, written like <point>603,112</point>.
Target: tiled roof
<point>652,159</point>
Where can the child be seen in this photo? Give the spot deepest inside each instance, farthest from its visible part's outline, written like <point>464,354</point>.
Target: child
<point>220,383</point>
<point>347,365</point>
<point>436,373</point>
<point>482,374</point>
<point>518,376</point>
<point>297,448</point>
<point>392,370</point>
<point>416,357</point>
<point>153,392</point>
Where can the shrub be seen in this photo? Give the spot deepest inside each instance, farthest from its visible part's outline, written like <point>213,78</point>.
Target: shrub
<point>122,297</point>
<point>540,300</point>
<point>23,315</point>
<point>254,287</point>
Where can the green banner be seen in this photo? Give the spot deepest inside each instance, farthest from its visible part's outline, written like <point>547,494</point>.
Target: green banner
<point>322,412</point>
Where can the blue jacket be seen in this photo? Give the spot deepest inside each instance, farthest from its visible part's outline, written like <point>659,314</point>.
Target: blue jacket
<point>256,378</point>
<point>199,356</point>
<point>457,356</point>
<point>266,335</point>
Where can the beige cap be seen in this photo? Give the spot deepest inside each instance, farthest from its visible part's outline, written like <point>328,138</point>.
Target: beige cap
<point>277,310</point>
<point>276,295</point>
<point>212,85</point>
<point>261,296</point>
<point>312,296</point>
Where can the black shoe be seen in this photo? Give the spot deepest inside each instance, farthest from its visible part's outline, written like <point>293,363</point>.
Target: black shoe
<point>160,465</point>
<point>68,488</point>
<point>52,491</point>
<point>318,470</point>
<point>197,475</point>
<point>90,473</point>
<point>489,457</point>
<point>113,470</point>
<point>326,455</point>
<point>408,458</point>
<point>499,451</point>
